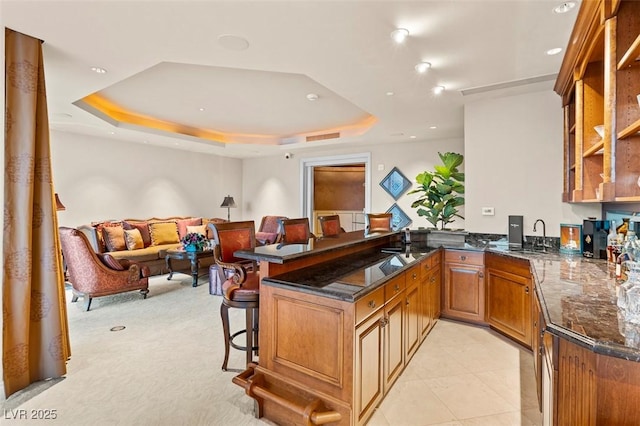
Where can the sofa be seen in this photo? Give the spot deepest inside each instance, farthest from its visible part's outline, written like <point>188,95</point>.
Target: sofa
<point>146,241</point>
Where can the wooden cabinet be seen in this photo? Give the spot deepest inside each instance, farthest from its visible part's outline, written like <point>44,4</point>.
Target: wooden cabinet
<point>369,361</point>
<point>599,82</point>
<point>537,329</point>
<point>508,290</point>
<point>430,283</point>
<point>413,311</point>
<point>380,345</point>
<point>464,286</point>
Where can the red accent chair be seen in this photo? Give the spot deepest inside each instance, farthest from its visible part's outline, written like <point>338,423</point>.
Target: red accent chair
<point>95,275</point>
<point>378,222</point>
<point>295,231</point>
<point>330,225</point>
<point>242,290</point>
<point>268,231</point>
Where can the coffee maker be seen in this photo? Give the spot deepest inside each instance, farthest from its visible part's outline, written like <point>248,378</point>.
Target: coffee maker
<point>594,238</point>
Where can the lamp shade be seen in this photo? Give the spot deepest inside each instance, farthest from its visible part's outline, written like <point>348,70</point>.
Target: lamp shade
<point>228,202</point>
<point>59,205</point>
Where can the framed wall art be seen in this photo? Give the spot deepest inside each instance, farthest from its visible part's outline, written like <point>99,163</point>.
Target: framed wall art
<point>400,219</point>
<point>395,183</point>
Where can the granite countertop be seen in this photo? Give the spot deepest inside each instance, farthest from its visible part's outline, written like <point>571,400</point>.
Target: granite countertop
<point>578,295</point>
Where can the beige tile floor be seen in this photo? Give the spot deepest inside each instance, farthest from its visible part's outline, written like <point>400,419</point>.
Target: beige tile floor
<point>463,375</point>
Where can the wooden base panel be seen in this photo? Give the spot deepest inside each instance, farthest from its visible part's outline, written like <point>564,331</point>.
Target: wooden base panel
<point>287,403</point>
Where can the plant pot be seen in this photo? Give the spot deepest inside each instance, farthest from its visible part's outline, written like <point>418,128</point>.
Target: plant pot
<point>446,237</point>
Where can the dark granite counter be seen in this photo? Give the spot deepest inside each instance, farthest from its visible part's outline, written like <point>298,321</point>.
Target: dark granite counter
<point>578,295</point>
<point>281,253</point>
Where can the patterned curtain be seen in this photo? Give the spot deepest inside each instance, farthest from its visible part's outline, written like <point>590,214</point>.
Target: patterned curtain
<point>35,334</point>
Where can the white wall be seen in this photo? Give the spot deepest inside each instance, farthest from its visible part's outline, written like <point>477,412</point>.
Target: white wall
<point>99,178</point>
<point>271,185</point>
<point>513,162</point>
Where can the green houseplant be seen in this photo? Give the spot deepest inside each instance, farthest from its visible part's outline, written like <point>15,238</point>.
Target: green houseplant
<point>441,191</point>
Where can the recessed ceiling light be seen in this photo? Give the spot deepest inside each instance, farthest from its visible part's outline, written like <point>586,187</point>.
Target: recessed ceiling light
<point>99,70</point>
<point>201,109</point>
<point>112,132</point>
<point>438,89</point>
<point>390,93</point>
<point>564,7</point>
<point>554,51</point>
<point>399,35</point>
<point>233,42</point>
<point>312,97</point>
<point>433,127</point>
<point>422,67</point>
<point>412,137</point>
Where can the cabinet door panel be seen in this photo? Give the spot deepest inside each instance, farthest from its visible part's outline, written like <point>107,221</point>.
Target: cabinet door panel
<point>509,304</point>
<point>394,339</point>
<point>413,321</point>
<point>369,365</point>
<point>464,292</point>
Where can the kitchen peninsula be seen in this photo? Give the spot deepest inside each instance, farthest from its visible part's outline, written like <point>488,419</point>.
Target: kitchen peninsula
<point>341,318</point>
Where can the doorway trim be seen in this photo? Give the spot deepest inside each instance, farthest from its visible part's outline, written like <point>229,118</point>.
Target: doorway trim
<point>306,177</point>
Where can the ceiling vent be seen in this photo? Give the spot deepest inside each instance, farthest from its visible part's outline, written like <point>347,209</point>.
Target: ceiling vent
<point>326,136</point>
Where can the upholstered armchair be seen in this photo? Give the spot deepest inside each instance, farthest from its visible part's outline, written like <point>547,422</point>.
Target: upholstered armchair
<point>330,225</point>
<point>95,275</point>
<point>268,231</point>
<point>378,222</point>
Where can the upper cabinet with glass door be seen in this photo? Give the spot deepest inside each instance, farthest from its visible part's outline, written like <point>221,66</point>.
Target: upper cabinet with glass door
<point>599,83</point>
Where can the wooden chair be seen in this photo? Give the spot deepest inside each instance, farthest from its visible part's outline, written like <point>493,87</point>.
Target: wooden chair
<point>242,290</point>
<point>330,225</point>
<point>268,231</point>
<point>95,275</point>
<point>295,231</point>
<point>378,222</point>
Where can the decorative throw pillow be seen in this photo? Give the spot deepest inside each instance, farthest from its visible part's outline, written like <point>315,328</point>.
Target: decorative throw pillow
<point>183,223</point>
<point>114,238</point>
<point>163,233</point>
<point>99,235</point>
<point>198,229</point>
<point>133,239</point>
<point>111,262</point>
<point>143,227</point>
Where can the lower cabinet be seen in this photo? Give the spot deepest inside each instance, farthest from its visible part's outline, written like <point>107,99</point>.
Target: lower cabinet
<point>537,328</point>
<point>464,286</point>
<point>430,283</point>
<point>413,312</point>
<point>379,346</point>
<point>509,289</point>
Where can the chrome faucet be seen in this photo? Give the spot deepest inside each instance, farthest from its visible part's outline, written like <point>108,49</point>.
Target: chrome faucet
<point>544,234</point>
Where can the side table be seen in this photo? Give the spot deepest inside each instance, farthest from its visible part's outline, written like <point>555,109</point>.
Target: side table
<point>192,256</point>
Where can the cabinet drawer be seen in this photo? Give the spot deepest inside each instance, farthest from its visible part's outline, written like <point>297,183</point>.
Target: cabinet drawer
<point>431,262</point>
<point>369,304</point>
<point>412,276</point>
<point>394,287</point>
<point>463,256</point>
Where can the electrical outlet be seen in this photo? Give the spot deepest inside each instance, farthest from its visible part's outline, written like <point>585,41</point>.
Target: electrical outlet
<point>380,167</point>
<point>488,211</point>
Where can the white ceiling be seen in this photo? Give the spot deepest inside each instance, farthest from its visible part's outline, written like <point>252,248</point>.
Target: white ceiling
<point>164,60</point>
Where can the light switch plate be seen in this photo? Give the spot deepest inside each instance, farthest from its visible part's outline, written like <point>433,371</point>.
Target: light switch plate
<point>488,211</point>
<point>380,167</point>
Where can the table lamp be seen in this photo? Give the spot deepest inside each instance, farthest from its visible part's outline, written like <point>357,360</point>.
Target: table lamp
<point>229,203</point>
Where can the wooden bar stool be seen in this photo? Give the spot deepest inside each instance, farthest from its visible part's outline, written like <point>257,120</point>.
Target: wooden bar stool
<point>242,290</point>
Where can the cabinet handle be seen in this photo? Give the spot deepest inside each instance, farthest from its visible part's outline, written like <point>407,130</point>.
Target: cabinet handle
<point>463,257</point>
<point>407,301</point>
<point>535,323</point>
<point>481,274</point>
<point>433,279</point>
<point>415,276</point>
<point>372,304</point>
<point>383,322</point>
<point>526,290</point>
<point>541,350</point>
<point>396,288</point>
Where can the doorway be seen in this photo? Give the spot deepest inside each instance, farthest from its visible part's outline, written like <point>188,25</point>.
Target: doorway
<point>354,168</point>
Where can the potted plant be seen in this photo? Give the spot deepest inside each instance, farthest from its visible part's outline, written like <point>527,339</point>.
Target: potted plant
<point>441,191</point>
<point>193,242</point>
